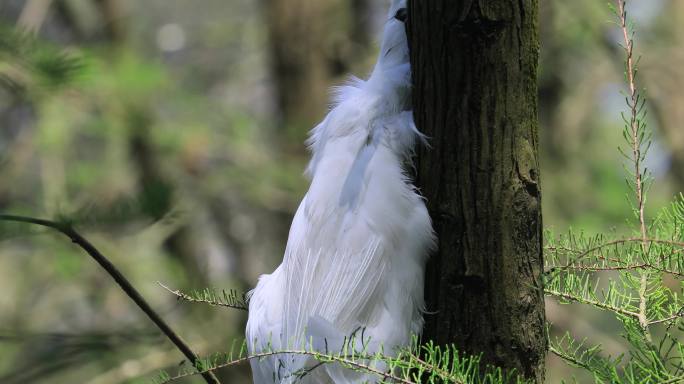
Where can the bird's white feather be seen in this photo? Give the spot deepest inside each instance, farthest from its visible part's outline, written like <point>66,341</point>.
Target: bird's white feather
<point>356,251</point>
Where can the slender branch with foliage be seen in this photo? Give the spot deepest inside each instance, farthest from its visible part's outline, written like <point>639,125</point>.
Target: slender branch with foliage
<point>228,299</point>
<point>625,276</point>
<point>635,129</point>
<point>414,364</point>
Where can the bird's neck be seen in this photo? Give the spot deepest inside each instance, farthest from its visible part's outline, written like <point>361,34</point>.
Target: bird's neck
<point>392,83</point>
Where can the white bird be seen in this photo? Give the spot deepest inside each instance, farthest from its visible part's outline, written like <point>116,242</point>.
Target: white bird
<point>356,252</point>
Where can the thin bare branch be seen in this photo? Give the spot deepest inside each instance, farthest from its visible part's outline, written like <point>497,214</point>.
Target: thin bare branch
<point>66,229</point>
<point>675,316</point>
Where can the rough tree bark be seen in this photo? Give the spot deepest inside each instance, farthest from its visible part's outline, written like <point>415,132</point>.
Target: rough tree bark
<point>475,95</point>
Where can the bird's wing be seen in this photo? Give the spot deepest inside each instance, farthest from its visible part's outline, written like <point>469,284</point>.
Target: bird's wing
<point>334,280</point>
<point>329,282</point>
<point>335,259</point>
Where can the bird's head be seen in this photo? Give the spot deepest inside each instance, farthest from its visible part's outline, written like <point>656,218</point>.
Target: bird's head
<point>394,46</point>
<point>392,73</point>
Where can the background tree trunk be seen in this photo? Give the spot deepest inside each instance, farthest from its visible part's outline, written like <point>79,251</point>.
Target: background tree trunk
<point>665,81</point>
<point>313,43</point>
<point>300,35</point>
<point>475,96</point>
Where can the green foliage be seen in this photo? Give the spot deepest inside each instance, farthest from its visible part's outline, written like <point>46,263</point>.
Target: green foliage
<point>417,363</point>
<point>577,353</point>
<point>228,299</point>
<point>639,279</point>
<point>608,275</point>
<point>28,63</point>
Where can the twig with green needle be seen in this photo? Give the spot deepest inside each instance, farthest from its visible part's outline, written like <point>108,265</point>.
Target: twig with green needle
<point>634,133</point>
<point>227,299</point>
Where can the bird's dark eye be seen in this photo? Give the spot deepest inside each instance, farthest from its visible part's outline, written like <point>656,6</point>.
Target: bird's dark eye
<point>401,15</point>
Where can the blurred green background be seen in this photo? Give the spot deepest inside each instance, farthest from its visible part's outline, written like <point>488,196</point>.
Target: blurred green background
<point>172,133</point>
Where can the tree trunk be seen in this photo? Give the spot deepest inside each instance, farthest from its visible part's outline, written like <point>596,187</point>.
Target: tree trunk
<point>475,95</point>
<point>312,44</point>
<point>666,85</point>
<point>298,34</point>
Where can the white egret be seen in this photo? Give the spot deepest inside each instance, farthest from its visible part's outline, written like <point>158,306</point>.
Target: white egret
<point>358,244</point>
